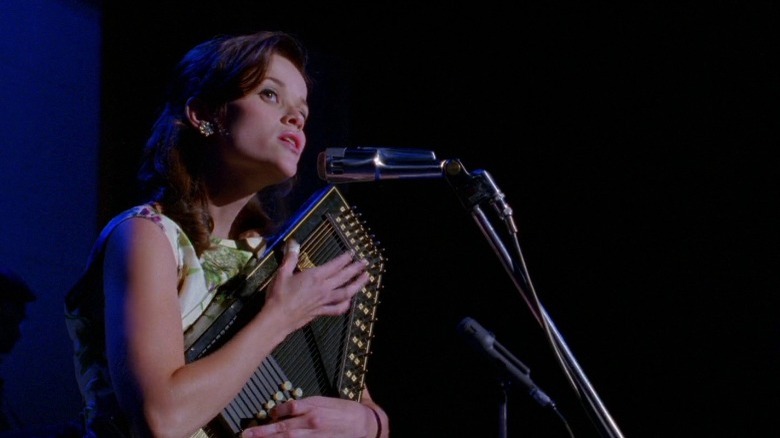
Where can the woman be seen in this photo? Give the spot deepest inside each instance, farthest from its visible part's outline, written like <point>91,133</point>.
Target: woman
<point>232,127</point>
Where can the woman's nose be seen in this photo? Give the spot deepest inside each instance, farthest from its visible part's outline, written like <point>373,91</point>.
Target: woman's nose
<point>294,119</point>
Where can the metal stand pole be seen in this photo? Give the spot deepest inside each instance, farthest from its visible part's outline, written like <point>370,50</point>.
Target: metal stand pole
<point>479,188</point>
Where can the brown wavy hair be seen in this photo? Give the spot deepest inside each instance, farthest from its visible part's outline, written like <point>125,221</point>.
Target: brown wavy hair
<point>215,72</point>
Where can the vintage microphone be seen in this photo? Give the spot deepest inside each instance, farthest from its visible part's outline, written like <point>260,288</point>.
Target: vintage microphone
<point>342,165</point>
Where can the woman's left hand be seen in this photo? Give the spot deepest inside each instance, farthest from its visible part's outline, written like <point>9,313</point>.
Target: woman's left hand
<point>316,416</point>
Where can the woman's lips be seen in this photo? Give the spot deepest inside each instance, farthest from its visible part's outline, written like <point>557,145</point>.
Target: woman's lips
<point>294,140</point>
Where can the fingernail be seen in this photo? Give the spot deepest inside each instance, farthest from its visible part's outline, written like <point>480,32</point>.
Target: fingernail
<point>293,246</point>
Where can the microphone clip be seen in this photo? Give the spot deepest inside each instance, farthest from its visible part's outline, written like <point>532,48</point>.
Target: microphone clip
<point>474,189</point>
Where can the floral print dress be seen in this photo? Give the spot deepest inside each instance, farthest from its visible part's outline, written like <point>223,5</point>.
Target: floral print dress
<point>198,281</point>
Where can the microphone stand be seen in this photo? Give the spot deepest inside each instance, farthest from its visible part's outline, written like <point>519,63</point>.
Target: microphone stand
<point>502,409</point>
<point>478,188</point>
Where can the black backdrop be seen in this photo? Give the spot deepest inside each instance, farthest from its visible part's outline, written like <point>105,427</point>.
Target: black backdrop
<point>634,144</point>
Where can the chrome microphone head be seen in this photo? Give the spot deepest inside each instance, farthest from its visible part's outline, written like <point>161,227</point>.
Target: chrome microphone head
<point>338,165</point>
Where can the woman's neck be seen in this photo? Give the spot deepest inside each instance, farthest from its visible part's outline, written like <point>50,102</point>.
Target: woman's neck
<point>224,215</point>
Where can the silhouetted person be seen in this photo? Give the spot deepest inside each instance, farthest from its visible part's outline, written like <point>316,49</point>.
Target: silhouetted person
<point>14,297</point>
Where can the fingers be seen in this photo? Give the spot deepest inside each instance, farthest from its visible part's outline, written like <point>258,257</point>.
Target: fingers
<point>289,409</point>
<point>311,416</point>
<point>294,408</point>
<point>287,417</point>
<point>337,272</point>
<point>331,284</point>
<point>342,275</point>
<point>290,260</point>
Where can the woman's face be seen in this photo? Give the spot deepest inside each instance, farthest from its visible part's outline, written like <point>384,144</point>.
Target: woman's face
<point>265,127</point>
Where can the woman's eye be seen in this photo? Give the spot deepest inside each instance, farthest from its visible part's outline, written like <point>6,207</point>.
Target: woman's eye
<point>269,94</point>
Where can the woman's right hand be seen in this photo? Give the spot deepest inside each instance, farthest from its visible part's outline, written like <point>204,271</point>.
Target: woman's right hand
<point>298,296</point>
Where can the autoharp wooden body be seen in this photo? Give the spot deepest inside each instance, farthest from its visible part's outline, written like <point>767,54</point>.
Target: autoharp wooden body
<point>329,355</point>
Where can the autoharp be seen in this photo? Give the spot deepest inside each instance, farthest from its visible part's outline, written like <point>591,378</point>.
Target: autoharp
<point>329,355</point>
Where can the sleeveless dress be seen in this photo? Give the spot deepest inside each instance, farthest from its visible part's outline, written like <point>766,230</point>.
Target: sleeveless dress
<point>198,281</point>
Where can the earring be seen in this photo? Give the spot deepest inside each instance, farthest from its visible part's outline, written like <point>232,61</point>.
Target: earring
<point>206,128</point>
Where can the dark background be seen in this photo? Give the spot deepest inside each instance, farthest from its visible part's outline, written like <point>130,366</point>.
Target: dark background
<point>634,143</point>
